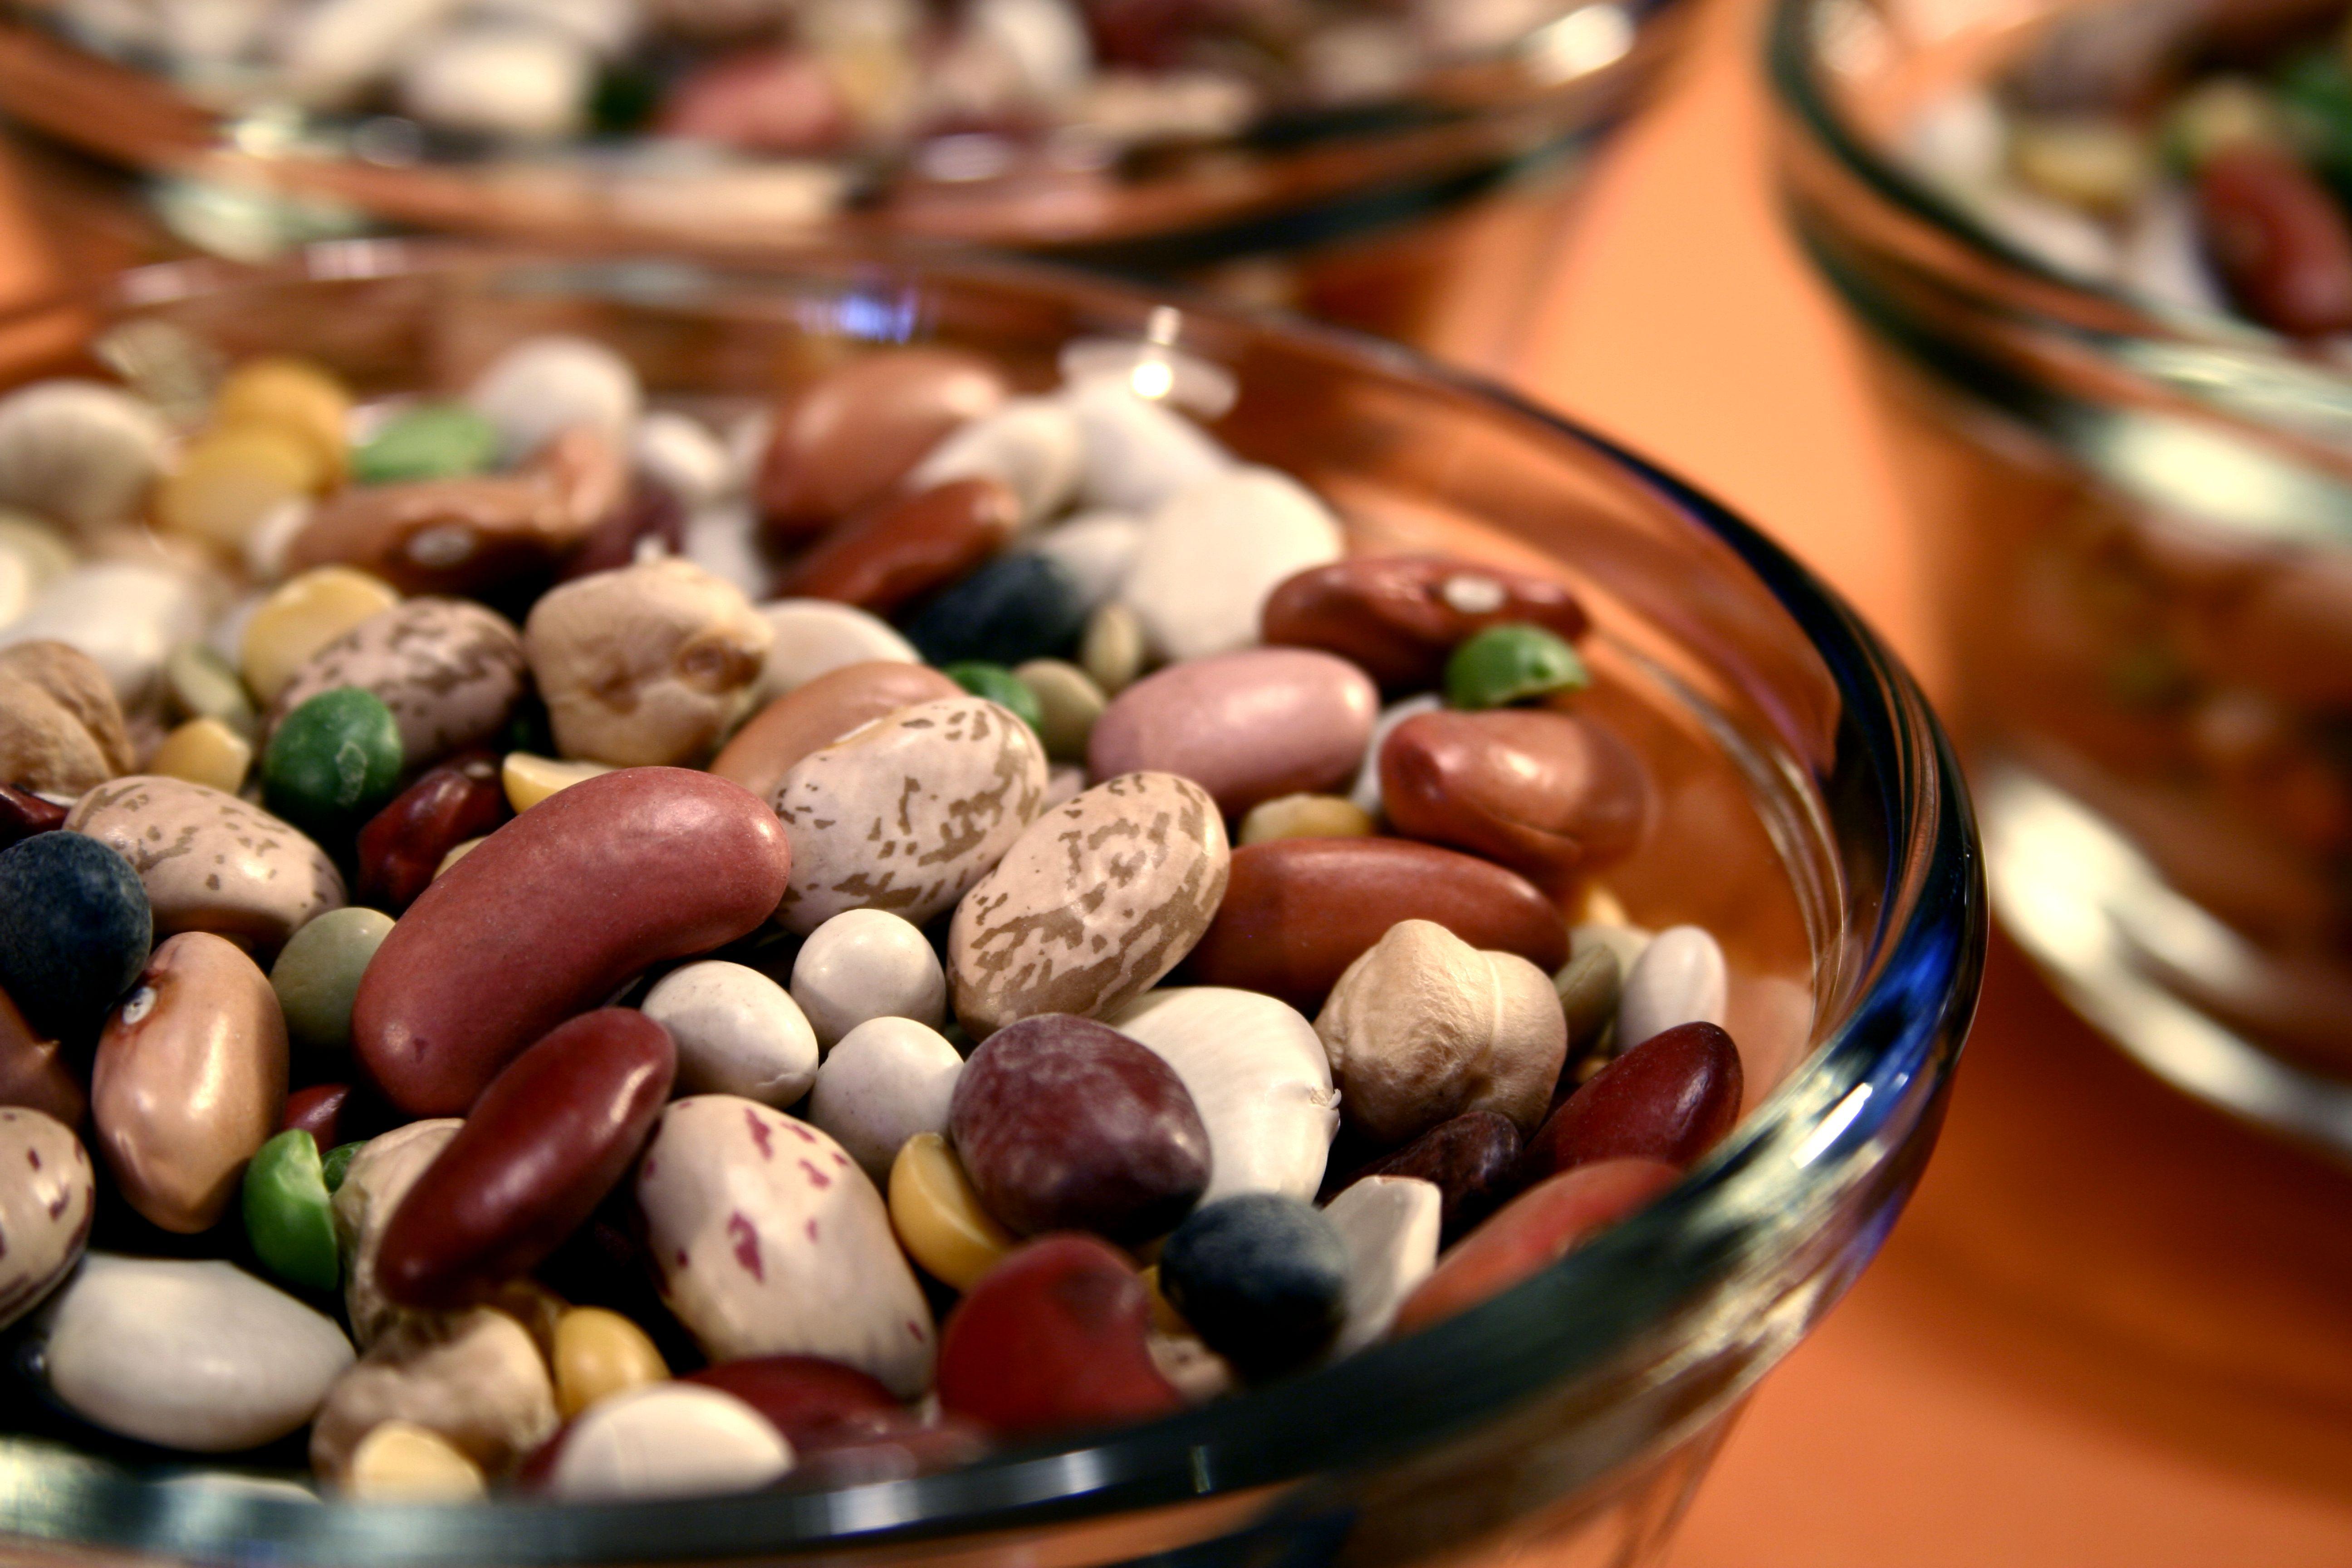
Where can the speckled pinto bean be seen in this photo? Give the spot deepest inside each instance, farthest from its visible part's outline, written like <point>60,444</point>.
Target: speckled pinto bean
<point>551,914</point>
<point>551,1136</point>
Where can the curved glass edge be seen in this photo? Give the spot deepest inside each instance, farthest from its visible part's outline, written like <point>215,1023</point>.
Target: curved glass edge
<point>1844,1111</point>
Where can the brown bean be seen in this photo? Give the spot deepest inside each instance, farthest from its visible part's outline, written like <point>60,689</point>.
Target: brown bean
<point>1247,726</point>
<point>405,844</point>
<point>1297,912</point>
<point>463,536</point>
<point>1669,1099</point>
<point>818,712</point>
<point>189,1080</point>
<point>1063,1123</point>
<point>547,1140</point>
<point>814,1402</point>
<point>1399,616</point>
<point>32,1071</point>
<point>1054,1337</point>
<point>2280,240</point>
<point>1473,1158</point>
<point>650,513</point>
<point>24,814</point>
<point>318,1110</point>
<point>1551,795</point>
<point>1534,1231</point>
<point>901,548</point>
<point>842,439</point>
<point>551,914</point>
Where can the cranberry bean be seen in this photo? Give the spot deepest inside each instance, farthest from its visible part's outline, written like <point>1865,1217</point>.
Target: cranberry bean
<point>1537,1230</point>
<point>814,1402</point>
<point>32,1071</point>
<point>318,1110</point>
<point>845,438</point>
<point>547,1140</point>
<point>1474,1160</point>
<point>1246,727</point>
<point>1551,795</point>
<point>24,814</point>
<point>1668,1099</point>
<point>1066,1124</point>
<point>1052,1339</point>
<point>2281,242</point>
<point>405,844</point>
<point>1398,616</point>
<point>901,548</point>
<point>818,712</point>
<point>550,914</point>
<point>1297,912</point>
<point>651,512</point>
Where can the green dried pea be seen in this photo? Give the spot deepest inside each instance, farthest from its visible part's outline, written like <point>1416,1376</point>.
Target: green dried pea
<point>430,441</point>
<point>1512,663</point>
<point>317,975</point>
<point>333,761</point>
<point>339,1160</point>
<point>1000,686</point>
<point>288,1215</point>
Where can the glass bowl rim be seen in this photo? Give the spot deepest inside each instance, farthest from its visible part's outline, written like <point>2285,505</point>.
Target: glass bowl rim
<point>1848,1105</point>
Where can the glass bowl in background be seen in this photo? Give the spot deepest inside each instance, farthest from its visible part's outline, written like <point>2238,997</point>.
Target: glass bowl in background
<point>1812,817</point>
<point>2140,519</point>
<point>1343,201</point>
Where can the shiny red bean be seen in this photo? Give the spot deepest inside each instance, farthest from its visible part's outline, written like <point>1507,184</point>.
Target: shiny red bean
<point>1297,912</point>
<point>24,814</point>
<point>814,1402</point>
<point>1063,1123</point>
<point>1054,1339</point>
<point>552,914</point>
<point>901,548</point>
<point>1535,1230</point>
<point>318,1110</point>
<point>32,1071</point>
<point>405,844</point>
<point>551,1136</point>
<point>1669,1099</point>
<point>1399,616</point>
<point>844,439</point>
<point>1474,1160</point>
<point>2280,240</point>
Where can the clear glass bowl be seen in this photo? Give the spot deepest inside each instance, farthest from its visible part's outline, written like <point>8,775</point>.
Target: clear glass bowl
<point>1814,818</point>
<point>2141,523</point>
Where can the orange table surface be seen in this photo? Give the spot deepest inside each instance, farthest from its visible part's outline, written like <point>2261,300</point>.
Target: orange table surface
<point>2114,1328</point>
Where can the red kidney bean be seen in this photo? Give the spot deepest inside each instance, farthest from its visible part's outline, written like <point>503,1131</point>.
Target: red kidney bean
<point>1399,616</point>
<point>650,512</point>
<point>1066,1124</point>
<point>1551,795</point>
<point>318,1110</point>
<point>1051,1339</point>
<point>1534,1230</point>
<point>405,844</point>
<point>1297,912</point>
<point>24,814</point>
<point>1245,726</point>
<point>550,915</point>
<point>1669,1099</point>
<point>903,547</point>
<point>547,1140</point>
<point>844,439</point>
<point>32,1071</point>
<point>814,1402</point>
<point>2280,240</point>
<point>821,712</point>
<point>1474,1160</point>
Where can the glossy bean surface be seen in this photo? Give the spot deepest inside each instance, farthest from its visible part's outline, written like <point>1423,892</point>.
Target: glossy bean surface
<point>1669,1099</point>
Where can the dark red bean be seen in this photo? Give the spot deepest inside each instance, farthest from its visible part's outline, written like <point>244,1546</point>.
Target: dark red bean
<point>33,1070</point>
<point>551,1136</point>
<point>844,439</point>
<point>552,914</point>
<point>1399,616</point>
<point>1551,795</point>
<point>1668,1099</point>
<point>24,814</point>
<point>2280,240</point>
<point>1474,1160</point>
<point>902,548</point>
<point>1297,912</point>
<point>405,844</point>
<point>318,1110</point>
<point>1534,1231</point>
<point>814,1402</point>
<point>1066,1124</point>
<point>1054,1339</point>
<point>650,512</point>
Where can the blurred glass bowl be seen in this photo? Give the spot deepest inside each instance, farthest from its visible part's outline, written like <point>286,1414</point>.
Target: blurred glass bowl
<point>1813,819</point>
